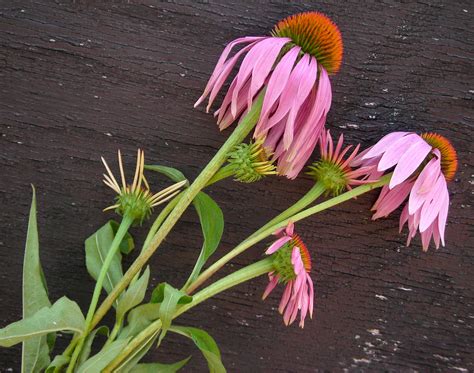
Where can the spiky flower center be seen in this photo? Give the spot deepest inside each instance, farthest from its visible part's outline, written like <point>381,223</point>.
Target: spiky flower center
<point>282,259</point>
<point>331,175</point>
<point>250,162</point>
<point>136,203</point>
<point>317,35</point>
<point>449,158</point>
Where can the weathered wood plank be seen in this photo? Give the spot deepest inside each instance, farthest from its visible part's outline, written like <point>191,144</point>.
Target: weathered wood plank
<point>78,81</point>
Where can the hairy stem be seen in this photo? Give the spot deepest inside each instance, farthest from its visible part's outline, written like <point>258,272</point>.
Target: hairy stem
<point>245,274</point>
<point>264,233</point>
<point>246,124</point>
<point>122,230</point>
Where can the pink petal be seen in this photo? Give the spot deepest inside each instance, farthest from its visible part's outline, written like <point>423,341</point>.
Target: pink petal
<point>423,184</point>
<point>271,285</point>
<point>409,162</point>
<point>395,151</point>
<point>392,200</point>
<point>285,297</point>
<point>443,216</point>
<point>277,245</point>
<point>382,145</point>
<point>432,206</point>
<point>290,227</point>
<point>220,63</point>
<point>277,82</point>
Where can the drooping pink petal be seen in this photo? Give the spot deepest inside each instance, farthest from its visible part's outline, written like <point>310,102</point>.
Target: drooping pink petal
<point>220,63</point>
<point>277,244</point>
<point>409,162</point>
<point>423,184</point>
<point>396,150</point>
<point>434,202</point>
<point>382,144</point>
<point>392,200</point>
<point>276,84</point>
<point>270,48</point>
<point>271,285</point>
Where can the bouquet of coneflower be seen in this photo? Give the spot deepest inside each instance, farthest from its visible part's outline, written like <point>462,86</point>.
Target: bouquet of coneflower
<point>279,97</point>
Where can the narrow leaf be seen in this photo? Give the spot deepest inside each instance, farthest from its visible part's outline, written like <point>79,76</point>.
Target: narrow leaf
<point>99,361</point>
<point>97,247</point>
<point>86,349</point>
<point>134,295</point>
<point>134,358</point>
<point>212,225</point>
<point>169,298</point>
<point>206,344</point>
<point>170,172</point>
<point>160,368</point>
<point>139,318</point>
<point>64,315</point>
<point>35,351</point>
<point>57,363</point>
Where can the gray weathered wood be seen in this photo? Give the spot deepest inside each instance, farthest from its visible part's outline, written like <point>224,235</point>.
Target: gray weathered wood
<point>78,81</point>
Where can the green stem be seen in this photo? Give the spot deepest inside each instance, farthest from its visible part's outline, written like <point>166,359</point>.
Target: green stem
<point>314,193</point>
<point>114,332</point>
<point>246,124</point>
<point>264,233</point>
<point>123,229</point>
<point>160,219</point>
<point>245,274</point>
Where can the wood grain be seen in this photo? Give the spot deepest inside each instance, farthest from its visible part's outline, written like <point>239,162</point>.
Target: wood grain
<point>80,80</point>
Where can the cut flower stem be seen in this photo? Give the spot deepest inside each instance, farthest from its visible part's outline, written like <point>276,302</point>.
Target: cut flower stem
<point>245,274</point>
<point>122,230</point>
<point>246,124</point>
<point>264,233</point>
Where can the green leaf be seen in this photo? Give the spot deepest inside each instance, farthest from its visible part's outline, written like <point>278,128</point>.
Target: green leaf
<point>212,225</point>
<point>134,295</point>
<point>99,361</point>
<point>206,344</point>
<point>139,318</point>
<point>64,315</point>
<point>58,362</point>
<point>128,244</point>
<point>35,353</point>
<point>134,358</point>
<point>169,298</point>
<point>86,349</point>
<point>170,172</point>
<point>160,368</point>
<point>97,247</point>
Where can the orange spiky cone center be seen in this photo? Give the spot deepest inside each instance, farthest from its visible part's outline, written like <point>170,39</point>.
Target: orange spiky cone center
<point>449,158</point>
<point>317,35</point>
<point>296,241</point>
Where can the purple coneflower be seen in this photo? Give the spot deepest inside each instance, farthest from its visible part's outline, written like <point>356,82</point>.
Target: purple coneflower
<point>292,66</point>
<point>334,169</point>
<point>423,164</point>
<point>292,264</point>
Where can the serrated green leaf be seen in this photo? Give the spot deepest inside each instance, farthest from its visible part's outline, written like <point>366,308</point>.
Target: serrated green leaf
<point>100,360</point>
<point>35,351</point>
<point>212,225</point>
<point>169,298</point>
<point>170,172</point>
<point>134,295</point>
<point>97,247</point>
<point>128,244</point>
<point>86,349</point>
<point>160,368</point>
<point>205,343</point>
<point>64,315</point>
